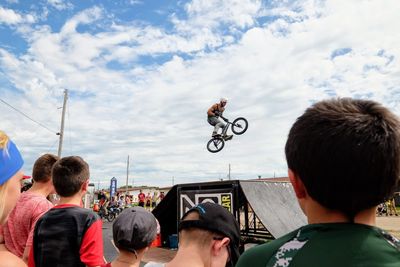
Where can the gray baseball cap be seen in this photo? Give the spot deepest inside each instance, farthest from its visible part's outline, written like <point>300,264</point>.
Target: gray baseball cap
<point>134,229</point>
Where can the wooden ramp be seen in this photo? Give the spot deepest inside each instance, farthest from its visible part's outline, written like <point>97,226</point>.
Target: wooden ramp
<point>275,204</point>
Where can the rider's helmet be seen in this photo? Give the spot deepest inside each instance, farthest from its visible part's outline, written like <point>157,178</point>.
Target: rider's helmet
<point>223,101</point>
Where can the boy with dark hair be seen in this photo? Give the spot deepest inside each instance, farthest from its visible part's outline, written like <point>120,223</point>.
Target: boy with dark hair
<point>209,236</point>
<point>344,159</point>
<point>31,205</point>
<point>68,235</point>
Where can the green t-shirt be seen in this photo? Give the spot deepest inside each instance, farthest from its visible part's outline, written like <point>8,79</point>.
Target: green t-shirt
<point>327,245</point>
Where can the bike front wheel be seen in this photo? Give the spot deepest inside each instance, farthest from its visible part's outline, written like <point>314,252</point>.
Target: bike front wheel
<point>239,126</point>
<point>215,145</point>
<point>111,217</point>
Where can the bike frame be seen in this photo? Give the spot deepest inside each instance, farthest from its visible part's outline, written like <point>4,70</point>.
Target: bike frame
<point>226,127</point>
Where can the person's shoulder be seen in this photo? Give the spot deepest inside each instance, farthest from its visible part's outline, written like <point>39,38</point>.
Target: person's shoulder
<point>42,203</point>
<point>73,211</point>
<point>7,259</point>
<point>89,214</point>
<point>380,238</point>
<point>214,106</point>
<point>29,199</point>
<point>260,255</point>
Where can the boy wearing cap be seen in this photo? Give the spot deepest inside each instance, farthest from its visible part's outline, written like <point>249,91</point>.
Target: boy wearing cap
<point>209,236</point>
<point>344,159</point>
<point>31,205</point>
<point>68,235</point>
<point>133,232</point>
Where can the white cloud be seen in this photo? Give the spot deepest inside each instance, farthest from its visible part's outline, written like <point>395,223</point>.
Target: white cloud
<point>135,2</point>
<point>237,13</point>
<point>269,71</point>
<point>60,4</point>
<point>84,17</point>
<point>9,16</point>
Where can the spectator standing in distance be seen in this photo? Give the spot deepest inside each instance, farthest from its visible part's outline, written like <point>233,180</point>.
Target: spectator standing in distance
<point>31,205</point>
<point>161,196</point>
<point>133,232</point>
<point>154,199</point>
<point>121,202</point>
<point>392,207</point>
<point>344,159</point>
<point>11,163</point>
<point>68,235</point>
<point>209,236</point>
<point>128,201</point>
<point>148,201</point>
<point>141,198</point>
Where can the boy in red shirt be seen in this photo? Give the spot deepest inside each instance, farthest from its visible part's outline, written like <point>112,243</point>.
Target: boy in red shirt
<point>68,235</point>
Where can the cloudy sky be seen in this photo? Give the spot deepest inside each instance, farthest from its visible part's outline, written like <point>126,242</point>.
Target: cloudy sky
<point>141,75</point>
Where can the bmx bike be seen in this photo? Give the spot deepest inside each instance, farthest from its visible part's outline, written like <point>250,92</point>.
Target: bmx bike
<point>216,143</point>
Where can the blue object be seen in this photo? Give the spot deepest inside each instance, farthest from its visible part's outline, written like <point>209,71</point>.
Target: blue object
<point>113,186</point>
<point>10,162</point>
<point>173,241</point>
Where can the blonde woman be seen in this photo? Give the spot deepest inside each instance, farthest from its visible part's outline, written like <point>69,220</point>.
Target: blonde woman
<point>10,185</point>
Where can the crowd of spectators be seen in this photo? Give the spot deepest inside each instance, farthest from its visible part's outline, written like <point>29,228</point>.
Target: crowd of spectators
<point>121,201</point>
<point>343,160</point>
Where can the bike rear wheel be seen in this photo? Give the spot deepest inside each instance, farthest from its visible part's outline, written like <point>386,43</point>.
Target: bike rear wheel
<point>215,145</point>
<point>239,126</point>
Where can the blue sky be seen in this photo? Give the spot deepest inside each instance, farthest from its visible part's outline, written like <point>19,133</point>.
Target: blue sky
<point>141,75</point>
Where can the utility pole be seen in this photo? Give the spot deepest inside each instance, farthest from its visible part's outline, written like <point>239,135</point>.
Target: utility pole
<point>61,133</point>
<point>229,173</point>
<point>127,177</point>
<point>173,178</point>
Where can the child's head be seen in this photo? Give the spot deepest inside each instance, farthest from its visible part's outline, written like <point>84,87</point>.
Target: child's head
<point>347,153</point>
<point>69,174</point>
<point>134,230</point>
<point>42,168</point>
<point>208,223</point>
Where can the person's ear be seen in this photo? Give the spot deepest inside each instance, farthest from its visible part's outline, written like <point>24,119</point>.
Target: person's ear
<point>298,186</point>
<point>85,186</point>
<point>219,245</point>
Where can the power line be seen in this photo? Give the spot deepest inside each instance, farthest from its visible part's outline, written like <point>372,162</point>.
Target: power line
<point>23,114</point>
<point>50,149</point>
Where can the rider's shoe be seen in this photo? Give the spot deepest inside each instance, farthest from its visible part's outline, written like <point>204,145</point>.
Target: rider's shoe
<point>228,137</point>
<point>215,134</point>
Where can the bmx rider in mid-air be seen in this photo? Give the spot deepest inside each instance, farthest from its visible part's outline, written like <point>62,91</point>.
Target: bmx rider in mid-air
<point>213,114</point>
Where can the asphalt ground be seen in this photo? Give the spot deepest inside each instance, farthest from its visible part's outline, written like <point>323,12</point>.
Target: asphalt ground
<point>110,251</point>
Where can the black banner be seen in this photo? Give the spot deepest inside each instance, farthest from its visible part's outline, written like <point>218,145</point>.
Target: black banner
<point>190,198</point>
